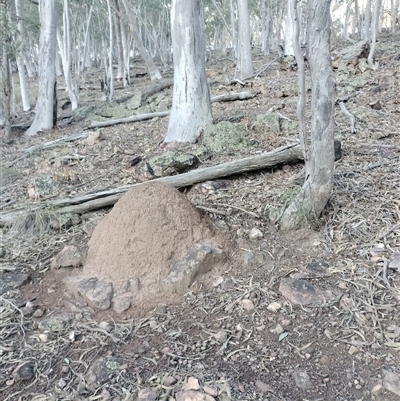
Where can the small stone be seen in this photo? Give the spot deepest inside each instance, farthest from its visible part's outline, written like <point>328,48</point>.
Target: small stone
<point>302,379</point>
<point>105,326</point>
<point>249,258</point>
<point>12,281</point>
<point>24,371</point>
<point>62,383</point>
<point>353,350</point>
<point>279,329</point>
<point>255,233</point>
<point>346,303</point>
<point>96,292</point>
<point>44,337</point>
<point>70,256</point>
<point>121,304</point>
<point>38,313</point>
<point>324,360</point>
<point>342,285</point>
<point>228,284</point>
<point>391,382</point>
<point>210,391</point>
<point>170,381</point>
<point>376,389</point>
<point>286,322</point>
<point>147,394</point>
<point>56,322</point>
<point>264,387</point>
<point>162,308</point>
<point>192,384</point>
<point>193,396</point>
<point>274,306</point>
<point>247,304</point>
<point>221,336</point>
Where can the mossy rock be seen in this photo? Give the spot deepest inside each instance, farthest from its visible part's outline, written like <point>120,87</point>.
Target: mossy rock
<point>170,163</point>
<point>45,186</point>
<point>225,136</point>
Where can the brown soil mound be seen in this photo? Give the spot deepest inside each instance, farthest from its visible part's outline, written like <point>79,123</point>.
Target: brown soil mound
<point>149,228</point>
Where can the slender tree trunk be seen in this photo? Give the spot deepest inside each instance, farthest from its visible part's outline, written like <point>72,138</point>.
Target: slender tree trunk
<point>367,21</point>
<point>20,63</point>
<point>375,27</point>
<point>118,35</point>
<point>313,196</point>
<point>47,74</point>
<point>301,82</point>
<point>110,56</point>
<point>86,42</point>
<point>233,27</point>
<point>356,20</point>
<point>246,63</point>
<point>289,51</point>
<point>65,45</point>
<point>394,12</point>
<point>5,82</point>
<point>151,67</point>
<point>191,105</point>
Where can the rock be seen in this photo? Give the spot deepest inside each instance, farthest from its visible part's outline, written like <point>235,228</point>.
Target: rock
<point>199,260</point>
<point>102,370</point>
<point>170,381</point>
<point>279,329</point>
<point>70,256</point>
<point>171,163</point>
<point>228,284</point>
<point>192,384</point>
<point>274,306</point>
<point>193,396</point>
<point>221,336</point>
<point>121,304</point>
<point>255,233</point>
<point>38,313</point>
<point>96,292</point>
<point>394,261</point>
<point>56,322</point>
<point>302,292</point>
<point>391,382</point>
<point>2,252</point>
<point>45,186</point>
<point>90,225</point>
<point>249,258</point>
<point>24,371</point>
<point>302,379</point>
<point>147,394</point>
<point>12,281</point>
<point>318,268</point>
<point>264,387</point>
<point>210,391</point>
<point>105,326</point>
<point>247,304</point>
<point>224,136</point>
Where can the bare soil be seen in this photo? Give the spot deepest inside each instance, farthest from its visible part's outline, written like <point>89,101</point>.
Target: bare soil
<point>241,338</point>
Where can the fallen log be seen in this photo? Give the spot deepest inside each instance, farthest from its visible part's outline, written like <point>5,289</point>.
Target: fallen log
<point>228,97</point>
<point>88,202</point>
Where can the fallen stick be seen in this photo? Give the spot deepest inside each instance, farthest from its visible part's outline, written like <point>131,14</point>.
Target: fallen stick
<point>88,202</point>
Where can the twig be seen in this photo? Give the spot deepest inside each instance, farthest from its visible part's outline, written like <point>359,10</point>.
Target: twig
<point>349,116</point>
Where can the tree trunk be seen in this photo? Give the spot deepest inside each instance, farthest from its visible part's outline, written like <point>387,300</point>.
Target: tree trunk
<point>375,27</point>
<point>394,12</point>
<point>151,67</point>
<point>191,105</point>
<point>313,196</point>
<point>85,59</point>
<point>5,85</point>
<point>289,51</point>
<point>65,50</point>
<point>110,58</point>
<point>246,63</point>
<point>118,35</point>
<point>296,23</point>
<point>47,73</point>
<point>20,63</point>
<point>367,21</point>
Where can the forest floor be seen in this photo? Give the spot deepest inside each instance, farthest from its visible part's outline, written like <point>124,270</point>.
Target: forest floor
<point>242,339</point>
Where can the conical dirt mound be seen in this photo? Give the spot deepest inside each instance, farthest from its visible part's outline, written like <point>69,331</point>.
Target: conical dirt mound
<point>149,228</point>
